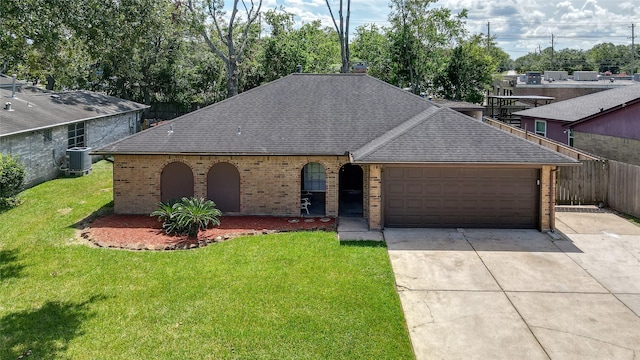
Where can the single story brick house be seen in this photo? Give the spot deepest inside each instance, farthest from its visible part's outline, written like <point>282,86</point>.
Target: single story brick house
<point>39,126</point>
<point>606,123</point>
<point>350,144</point>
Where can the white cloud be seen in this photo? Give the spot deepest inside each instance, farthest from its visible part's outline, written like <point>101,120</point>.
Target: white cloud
<point>521,26</point>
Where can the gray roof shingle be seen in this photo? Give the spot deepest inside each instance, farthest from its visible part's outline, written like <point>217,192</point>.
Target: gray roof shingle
<point>305,114</point>
<point>584,106</point>
<point>297,115</point>
<point>37,109</point>
<point>447,136</point>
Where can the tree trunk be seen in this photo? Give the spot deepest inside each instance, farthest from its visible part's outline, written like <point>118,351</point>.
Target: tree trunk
<point>232,77</point>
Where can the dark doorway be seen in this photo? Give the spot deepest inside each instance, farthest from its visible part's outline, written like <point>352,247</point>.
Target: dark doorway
<point>351,194</point>
<point>223,187</point>
<point>176,182</point>
<point>313,189</point>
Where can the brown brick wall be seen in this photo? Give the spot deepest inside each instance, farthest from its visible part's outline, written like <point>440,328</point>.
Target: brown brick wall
<point>374,198</point>
<point>269,185</point>
<point>547,197</point>
<point>609,147</point>
<point>558,93</point>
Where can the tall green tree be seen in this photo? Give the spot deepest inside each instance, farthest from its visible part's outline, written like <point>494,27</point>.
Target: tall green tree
<point>420,34</point>
<point>468,72</point>
<point>372,44</point>
<point>281,51</point>
<point>608,57</point>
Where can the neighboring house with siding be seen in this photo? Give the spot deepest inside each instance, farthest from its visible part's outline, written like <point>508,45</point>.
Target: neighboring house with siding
<point>349,143</point>
<point>606,123</point>
<point>39,126</point>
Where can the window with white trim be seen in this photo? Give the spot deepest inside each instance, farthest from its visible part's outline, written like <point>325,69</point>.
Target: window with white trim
<point>541,128</point>
<point>76,135</point>
<point>570,137</point>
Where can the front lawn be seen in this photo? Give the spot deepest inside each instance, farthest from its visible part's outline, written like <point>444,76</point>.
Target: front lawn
<point>285,296</point>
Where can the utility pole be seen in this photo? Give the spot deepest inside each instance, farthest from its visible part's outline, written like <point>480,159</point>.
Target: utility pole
<point>488,36</point>
<point>551,51</point>
<point>633,50</point>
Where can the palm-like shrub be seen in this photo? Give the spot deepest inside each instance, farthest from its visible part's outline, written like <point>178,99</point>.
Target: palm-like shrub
<point>187,216</point>
<point>166,213</point>
<point>196,214</point>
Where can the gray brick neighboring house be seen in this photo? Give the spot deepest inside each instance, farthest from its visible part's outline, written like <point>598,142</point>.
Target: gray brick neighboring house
<point>39,126</point>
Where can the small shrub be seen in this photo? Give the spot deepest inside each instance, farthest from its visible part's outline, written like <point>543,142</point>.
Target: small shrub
<point>187,216</point>
<point>166,213</point>
<point>12,174</point>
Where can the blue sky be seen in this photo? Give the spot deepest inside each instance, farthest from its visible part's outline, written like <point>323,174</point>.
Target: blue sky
<point>521,26</point>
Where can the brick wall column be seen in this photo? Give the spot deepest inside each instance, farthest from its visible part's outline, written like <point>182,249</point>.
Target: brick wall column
<point>547,197</point>
<point>332,173</point>
<point>375,197</point>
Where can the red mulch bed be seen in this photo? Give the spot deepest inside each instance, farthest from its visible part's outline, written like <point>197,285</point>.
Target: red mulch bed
<point>142,232</point>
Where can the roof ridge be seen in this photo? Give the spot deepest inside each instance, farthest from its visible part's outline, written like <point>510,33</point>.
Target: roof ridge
<point>394,133</point>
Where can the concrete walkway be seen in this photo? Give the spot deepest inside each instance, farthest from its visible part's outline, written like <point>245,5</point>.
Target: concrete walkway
<point>520,294</point>
<point>356,228</point>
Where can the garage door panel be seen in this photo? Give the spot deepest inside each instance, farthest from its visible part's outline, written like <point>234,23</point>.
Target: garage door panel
<point>460,197</point>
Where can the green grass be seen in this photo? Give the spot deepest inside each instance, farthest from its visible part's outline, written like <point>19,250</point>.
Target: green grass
<point>284,296</point>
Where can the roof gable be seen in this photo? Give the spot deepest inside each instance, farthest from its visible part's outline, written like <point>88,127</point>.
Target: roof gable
<point>446,136</point>
<point>585,106</point>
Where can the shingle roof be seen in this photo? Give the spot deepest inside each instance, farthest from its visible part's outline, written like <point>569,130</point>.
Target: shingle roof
<point>457,105</point>
<point>447,136</point>
<point>297,115</point>
<point>304,114</point>
<point>36,109</point>
<point>584,106</point>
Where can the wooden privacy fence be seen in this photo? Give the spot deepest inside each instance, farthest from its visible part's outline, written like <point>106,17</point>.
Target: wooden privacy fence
<point>624,188</point>
<point>609,182</point>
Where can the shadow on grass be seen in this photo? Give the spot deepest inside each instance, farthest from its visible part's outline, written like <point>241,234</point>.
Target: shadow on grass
<point>44,332</point>
<point>105,209</point>
<point>364,243</point>
<point>9,267</point>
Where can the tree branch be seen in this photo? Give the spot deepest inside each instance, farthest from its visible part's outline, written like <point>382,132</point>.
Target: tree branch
<point>334,19</point>
<point>204,34</point>
<point>251,18</point>
<point>212,12</point>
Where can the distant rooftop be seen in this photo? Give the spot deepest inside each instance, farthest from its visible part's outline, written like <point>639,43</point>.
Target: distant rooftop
<point>33,108</point>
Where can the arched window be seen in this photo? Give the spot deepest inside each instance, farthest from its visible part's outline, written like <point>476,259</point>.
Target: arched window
<point>313,187</point>
<point>313,177</point>
<point>176,181</point>
<point>223,187</point>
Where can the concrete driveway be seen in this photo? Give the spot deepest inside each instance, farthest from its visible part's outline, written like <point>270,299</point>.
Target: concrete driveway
<point>521,294</point>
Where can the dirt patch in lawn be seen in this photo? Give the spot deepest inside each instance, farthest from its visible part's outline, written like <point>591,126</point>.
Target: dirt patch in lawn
<point>142,232</point>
